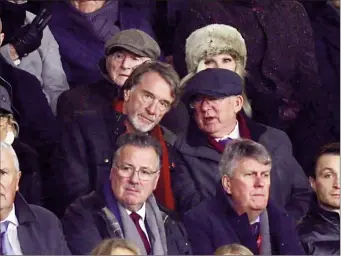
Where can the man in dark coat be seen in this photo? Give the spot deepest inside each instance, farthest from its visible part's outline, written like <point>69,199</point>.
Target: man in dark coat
<point>214,96</point>
<point>123,53</point>
<point>109,212</point>
<point>320,229</point>
<point>89,140</point>
<point>25,229</point>
<point>241,212</point>
<point>282,67</point>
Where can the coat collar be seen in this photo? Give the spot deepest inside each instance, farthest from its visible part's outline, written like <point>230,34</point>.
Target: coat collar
<point>239,223</point>
<point>23,210</point>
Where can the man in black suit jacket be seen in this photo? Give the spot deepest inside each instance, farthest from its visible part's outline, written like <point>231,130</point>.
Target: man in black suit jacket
<point>25,229</point>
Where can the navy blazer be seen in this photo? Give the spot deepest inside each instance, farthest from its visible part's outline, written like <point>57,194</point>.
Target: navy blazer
<point>214,223</point>
<point>39,230</point>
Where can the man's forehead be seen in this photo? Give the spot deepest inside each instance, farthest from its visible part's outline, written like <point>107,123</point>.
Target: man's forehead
<point>6,160</point>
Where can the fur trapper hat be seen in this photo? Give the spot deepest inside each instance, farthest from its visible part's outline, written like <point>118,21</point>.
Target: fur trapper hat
<point>211,40</point>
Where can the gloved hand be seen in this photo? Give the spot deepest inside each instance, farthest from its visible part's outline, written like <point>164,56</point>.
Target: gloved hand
<point>28,38</point>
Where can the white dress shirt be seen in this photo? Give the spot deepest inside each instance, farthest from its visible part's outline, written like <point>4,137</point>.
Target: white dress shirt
<point>12,232</point>
<point>142,213</point>
<point>233,135</point>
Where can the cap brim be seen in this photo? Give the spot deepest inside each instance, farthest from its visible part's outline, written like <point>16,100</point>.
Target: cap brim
<point>128,48</point>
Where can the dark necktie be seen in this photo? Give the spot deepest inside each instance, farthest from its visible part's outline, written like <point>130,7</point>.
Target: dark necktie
<point>1,239</point>
<point>255,229</point>
<point>224,142</point>
<point>135,217</point>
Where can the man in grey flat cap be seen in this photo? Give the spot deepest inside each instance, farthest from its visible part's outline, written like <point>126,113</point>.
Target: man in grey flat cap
<point>123,53</point>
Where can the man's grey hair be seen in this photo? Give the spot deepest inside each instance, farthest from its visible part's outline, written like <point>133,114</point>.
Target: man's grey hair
<point>140,140</point>
<point>240,149</point>
<point>5,146</point>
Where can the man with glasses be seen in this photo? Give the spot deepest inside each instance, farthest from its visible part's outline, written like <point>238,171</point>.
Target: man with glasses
<point>84,156</point>
<point>215,99</point>
<point>124,207</point>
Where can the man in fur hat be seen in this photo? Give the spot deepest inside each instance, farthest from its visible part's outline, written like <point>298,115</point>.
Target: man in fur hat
<point>214,97</point>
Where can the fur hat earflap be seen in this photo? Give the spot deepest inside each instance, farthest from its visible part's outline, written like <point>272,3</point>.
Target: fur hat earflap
<point>211,40</point>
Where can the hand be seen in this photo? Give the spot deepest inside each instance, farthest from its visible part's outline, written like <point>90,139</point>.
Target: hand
<point>28,38</point>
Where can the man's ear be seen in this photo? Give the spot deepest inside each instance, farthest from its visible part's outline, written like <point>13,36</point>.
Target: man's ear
<point>18,179</point>
<point>312,183</point>
<point>126,94</point>
<point>2,36</point>
<point>226,182</point>
<point>238,103</point>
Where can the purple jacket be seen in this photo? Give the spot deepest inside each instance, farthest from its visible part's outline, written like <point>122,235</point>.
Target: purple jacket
<point>80,46</point>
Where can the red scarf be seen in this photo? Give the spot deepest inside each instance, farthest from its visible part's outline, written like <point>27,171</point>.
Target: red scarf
<point>243,131</point>
<point>163,191</point>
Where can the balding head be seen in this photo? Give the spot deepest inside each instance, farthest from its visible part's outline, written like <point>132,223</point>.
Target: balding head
<point>9,179</point>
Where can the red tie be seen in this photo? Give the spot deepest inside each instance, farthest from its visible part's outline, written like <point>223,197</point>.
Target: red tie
<point>135,217</point>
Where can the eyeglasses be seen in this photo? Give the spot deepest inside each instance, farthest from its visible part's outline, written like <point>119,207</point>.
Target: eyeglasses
<point>126,171</point>
<point>197,101</point>
<point>149,98</point>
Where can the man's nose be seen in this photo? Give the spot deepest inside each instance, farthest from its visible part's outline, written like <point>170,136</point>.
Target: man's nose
<point>126,63</point>
<point>259,181</point>
<point>134,178</point>
<point>152,107</point>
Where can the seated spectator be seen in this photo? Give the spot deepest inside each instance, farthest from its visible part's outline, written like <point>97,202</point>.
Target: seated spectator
<point>282,67</point>
<point>123,53</point>
<point>115,246</point>
<point>37,124</point>
<point>81,29</point>
<point>233,249</point>
<point>32,49</point>
<point>215,98</point>
<point>320,228</point>
<point>88,142</point>
<point>241,212</point>
<point>124,207</point>
<point>217,46</point>
<point>25,229</point>
<point>30,182</point>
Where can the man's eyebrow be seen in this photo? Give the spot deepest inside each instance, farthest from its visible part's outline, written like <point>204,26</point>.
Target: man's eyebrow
<point>4,169</point>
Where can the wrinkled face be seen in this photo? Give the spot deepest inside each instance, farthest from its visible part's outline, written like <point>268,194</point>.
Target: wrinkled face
<point>223,60</point>
<point>249,186</point>
<point>121,64</point>
<point>9,182</point>
<point>215,117</point>
<point>327,181</point>
<point>5,127</point>
<point>131,191</point>
<point>147,102</point>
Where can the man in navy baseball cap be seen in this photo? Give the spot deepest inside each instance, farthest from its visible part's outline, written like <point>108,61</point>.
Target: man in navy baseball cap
<point>216,101</point>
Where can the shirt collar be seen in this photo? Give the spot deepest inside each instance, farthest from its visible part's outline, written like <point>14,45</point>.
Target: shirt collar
<point>233,135</point>
<point>12,218</point>
<point>141,212</point>
<point>257,220</point>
